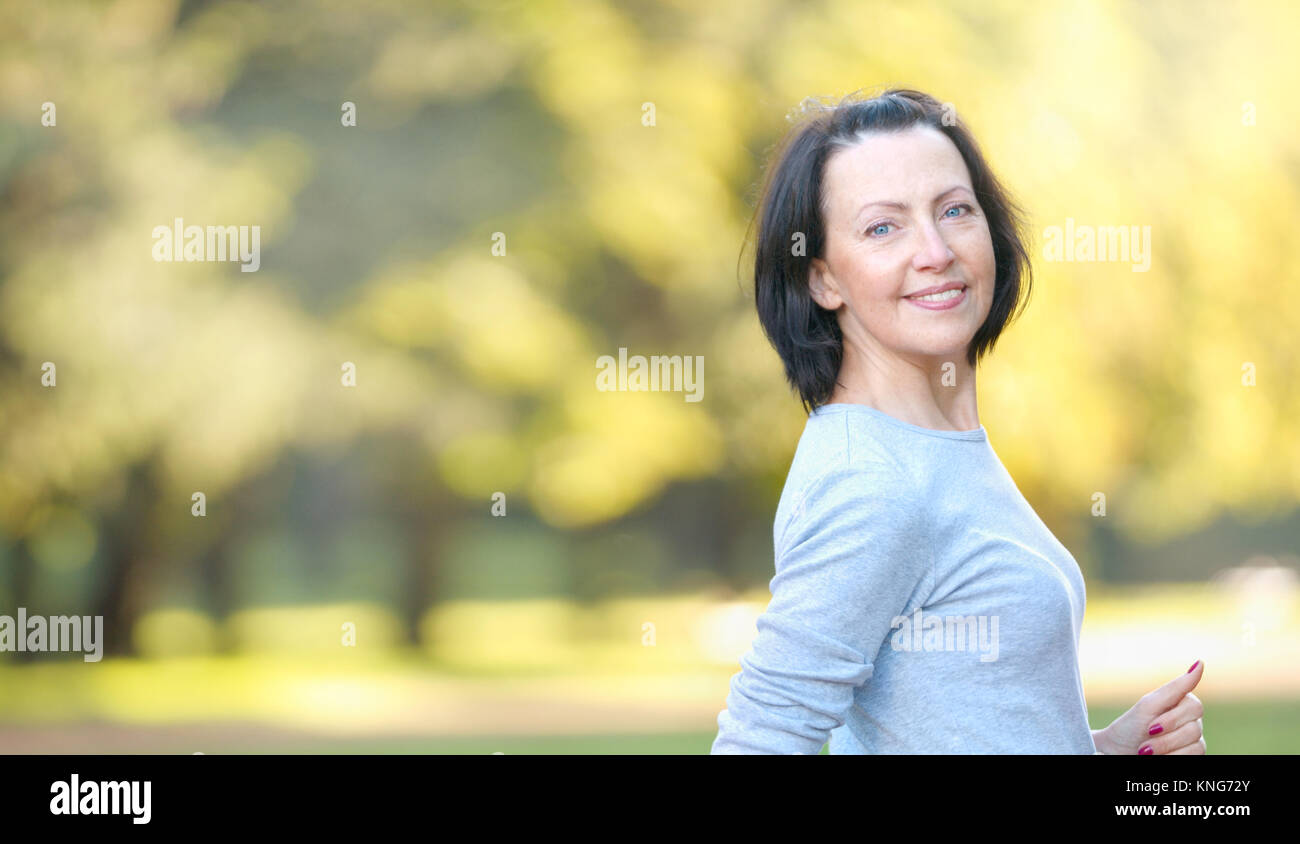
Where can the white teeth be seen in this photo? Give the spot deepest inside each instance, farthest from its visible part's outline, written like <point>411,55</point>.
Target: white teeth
<point>939,297</point>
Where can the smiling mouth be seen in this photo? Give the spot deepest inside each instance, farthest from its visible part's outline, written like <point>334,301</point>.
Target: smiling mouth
<point>939,297</point>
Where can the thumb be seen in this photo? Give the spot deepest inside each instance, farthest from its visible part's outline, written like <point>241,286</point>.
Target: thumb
<point>1170,693</point>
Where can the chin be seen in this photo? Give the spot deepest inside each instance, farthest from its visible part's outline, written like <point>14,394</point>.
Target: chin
<point>947,347</point>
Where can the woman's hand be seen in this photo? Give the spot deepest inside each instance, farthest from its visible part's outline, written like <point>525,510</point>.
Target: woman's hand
<point>1165,721</point>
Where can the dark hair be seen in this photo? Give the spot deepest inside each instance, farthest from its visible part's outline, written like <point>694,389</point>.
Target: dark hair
<point>806,335</point>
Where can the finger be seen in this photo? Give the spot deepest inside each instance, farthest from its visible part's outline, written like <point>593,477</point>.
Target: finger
<point>1176,739</point>
<point>1187,709</point>
<point>1167,696</point>
<point>1194,749</point>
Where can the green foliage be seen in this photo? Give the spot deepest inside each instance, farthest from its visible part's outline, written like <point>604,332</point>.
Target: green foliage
<point>476,370</point>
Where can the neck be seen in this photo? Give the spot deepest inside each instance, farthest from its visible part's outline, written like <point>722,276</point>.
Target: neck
<point>928,392</point>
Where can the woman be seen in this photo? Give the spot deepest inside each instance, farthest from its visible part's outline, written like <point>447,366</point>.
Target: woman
<point>919,603</point>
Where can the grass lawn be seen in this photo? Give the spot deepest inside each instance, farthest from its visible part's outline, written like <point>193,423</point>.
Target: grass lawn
<point>548,677</point>
<point>1245,727</point>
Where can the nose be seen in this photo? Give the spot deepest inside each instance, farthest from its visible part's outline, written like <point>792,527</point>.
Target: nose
<point>932,252</point>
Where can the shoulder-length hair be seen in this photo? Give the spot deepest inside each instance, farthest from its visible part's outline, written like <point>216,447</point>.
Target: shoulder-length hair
<point>806,335</point>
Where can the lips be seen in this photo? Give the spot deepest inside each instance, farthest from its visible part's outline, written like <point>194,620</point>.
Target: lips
<point>950,296</point>
<point>938,288</point>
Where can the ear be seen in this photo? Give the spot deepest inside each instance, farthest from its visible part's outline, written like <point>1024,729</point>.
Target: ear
<point>822,285</point>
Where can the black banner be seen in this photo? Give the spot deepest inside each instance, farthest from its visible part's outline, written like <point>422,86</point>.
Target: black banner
<point>215,793</point>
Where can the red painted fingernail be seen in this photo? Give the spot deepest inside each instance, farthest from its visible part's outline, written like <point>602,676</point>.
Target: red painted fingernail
<point>1193,668</point>
<point>1146,750</point>
<point>1155,728</point>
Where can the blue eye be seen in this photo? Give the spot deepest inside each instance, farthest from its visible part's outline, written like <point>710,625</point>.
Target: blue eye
<point>875,230</point>
<point>957,207</point>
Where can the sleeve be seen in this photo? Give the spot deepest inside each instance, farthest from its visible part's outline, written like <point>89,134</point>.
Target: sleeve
<point>846,567</point>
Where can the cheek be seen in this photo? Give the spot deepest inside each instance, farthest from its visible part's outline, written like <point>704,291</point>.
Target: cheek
<point>975,249</point>
<point>882,278</point>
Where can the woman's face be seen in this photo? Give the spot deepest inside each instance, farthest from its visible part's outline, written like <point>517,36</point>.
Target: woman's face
<point>901,217</point>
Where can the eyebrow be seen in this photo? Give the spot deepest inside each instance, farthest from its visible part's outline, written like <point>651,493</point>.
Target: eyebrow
<point>903,206</point>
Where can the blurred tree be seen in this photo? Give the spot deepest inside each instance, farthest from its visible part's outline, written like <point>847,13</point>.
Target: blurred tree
<point>617,149</point>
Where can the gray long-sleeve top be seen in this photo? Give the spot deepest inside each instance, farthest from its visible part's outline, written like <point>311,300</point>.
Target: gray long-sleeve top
<point>920,605</point>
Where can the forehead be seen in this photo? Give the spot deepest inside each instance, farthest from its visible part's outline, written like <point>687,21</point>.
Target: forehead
<point>900,166</point>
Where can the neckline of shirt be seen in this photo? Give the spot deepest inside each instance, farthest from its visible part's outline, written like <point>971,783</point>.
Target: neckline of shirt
<point>977,435</point>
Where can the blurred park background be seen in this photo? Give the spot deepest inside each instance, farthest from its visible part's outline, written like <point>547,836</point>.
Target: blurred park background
<point>529,186</point>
